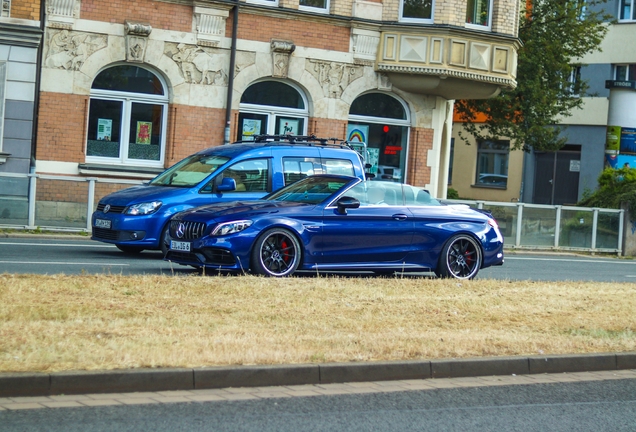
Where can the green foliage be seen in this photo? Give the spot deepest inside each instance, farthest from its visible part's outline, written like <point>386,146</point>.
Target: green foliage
<point>615,187</point>
<point>452,193</point>
<point>554,34</point>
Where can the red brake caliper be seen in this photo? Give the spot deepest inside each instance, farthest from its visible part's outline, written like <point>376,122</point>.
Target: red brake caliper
<point>283,246</point>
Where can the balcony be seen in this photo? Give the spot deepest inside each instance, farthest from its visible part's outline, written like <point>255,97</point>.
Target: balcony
<point>449,62</point>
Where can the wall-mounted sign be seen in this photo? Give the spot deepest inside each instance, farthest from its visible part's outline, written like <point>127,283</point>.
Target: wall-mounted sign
<point>575,166</point>
<point>620,84</point>
<point>628,141</point>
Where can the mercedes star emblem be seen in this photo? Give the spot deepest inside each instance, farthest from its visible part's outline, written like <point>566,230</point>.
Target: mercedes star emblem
<point>180,230</point>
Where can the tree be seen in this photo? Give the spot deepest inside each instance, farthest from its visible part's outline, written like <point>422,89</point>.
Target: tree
<point>555,34</point>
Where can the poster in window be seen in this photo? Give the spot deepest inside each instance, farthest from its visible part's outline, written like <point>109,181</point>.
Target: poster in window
<point>144,130</point>
<point>288,126</point>
<point>104,129</point>
<point>251,127</point>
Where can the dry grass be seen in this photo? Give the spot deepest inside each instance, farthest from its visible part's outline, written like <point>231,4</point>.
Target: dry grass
<point>53,323</point>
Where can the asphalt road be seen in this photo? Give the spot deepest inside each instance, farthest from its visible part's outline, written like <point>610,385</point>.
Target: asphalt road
<point>44,255</point>
<point>582,406</point>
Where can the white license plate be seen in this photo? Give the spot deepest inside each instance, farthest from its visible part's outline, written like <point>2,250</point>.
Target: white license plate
<point>102,223</point>
<point>180,246</point>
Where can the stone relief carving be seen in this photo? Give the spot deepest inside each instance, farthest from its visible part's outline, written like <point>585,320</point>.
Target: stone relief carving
<point>281,51</point>
<point>69,50</point>
<point>198,65</point>
<point>136,40</point>
<point>244,60</point>
<point>384,83</point>
<point>334,77</point>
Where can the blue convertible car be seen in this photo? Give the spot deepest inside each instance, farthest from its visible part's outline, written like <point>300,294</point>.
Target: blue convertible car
<point>332,222</point>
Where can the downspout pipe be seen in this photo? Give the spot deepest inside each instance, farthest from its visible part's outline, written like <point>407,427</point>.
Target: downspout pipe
<point>38,79</point>
<point>230,81</point>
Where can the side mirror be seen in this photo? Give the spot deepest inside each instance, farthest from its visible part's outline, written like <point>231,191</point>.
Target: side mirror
<point>345,203</point>
<point>228,184</point>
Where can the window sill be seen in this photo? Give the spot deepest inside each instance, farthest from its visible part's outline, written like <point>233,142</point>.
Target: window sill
<point>119,171</point>
<point>489,187</point>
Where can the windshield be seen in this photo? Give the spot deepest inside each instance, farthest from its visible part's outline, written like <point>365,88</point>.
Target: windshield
<point>310,190</point>
<point>382,193</point>
<point>190,171</point>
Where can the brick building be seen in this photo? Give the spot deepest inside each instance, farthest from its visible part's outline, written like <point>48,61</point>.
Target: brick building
<point>130,87</point>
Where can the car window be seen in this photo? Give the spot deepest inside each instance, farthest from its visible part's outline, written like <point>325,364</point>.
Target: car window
<point>190,171</point>
<point>250,175</point>
<point>311,190</point>
<point>373,193</point>
<point>338,166</point>
<point>295,168</point>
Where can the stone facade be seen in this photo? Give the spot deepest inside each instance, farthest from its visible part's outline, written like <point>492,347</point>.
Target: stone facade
<point>329,57</point>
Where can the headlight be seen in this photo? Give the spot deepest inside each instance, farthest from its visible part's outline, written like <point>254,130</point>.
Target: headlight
<point>231,227</point>
<point>143,208</point>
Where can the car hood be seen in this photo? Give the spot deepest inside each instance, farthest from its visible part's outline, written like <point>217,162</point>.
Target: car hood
<point>236,209</point>
<point>143,193</point>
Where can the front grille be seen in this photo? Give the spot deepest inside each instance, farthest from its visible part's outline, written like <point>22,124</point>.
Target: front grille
<point>106,234</point>
<point>112,209</point>
<point>184,230</point>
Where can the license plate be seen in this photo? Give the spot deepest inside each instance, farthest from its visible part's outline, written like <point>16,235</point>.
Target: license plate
<point>102,223</point>
<point>180,246</point>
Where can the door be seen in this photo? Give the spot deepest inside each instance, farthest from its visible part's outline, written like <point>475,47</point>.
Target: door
<point>346,238</point>
<point>556,176</point>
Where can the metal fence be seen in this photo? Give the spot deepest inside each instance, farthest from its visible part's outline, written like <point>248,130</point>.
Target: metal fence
<point>536,226</point>
<point>57,203</point>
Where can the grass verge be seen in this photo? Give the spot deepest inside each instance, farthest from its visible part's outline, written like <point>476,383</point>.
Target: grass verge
<point>54,323</point>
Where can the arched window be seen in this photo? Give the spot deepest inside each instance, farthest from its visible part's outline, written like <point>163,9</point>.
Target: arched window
<point>272,107</point>
<point>381,121</point>
<point>127,118</point>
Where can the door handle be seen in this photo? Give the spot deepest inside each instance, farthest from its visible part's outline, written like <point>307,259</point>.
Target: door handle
<point>400,217</point>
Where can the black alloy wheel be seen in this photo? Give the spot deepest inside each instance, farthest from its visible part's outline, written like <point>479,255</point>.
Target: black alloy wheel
<point>276,253</point>
<point>461,258</point>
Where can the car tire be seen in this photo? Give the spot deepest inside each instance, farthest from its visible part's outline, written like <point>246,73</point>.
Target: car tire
<point>130,249</point>
<point>277,253</point>
<point>461,258</point>
<point>164,240</point>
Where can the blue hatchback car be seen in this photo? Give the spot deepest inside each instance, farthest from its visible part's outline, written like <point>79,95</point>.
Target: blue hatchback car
<point>137,218</point>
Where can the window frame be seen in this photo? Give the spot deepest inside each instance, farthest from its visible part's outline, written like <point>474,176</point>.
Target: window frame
<point>574,81</point>
<point>273,3</point>
<point>274,112</point>
<point>128,99</point>
<point>630,71</point>
<point>361,119</point>
<point>488,26</point>
<point>322,10</point>
<point>481,151</point>
<point>621,8</point>
<point>404,19</point>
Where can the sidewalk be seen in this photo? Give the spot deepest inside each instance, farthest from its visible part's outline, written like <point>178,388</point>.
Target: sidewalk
<point>291,391</point>
<point>156,380</point>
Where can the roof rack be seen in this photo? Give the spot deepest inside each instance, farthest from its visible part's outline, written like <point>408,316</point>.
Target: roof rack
<point>301,140</point>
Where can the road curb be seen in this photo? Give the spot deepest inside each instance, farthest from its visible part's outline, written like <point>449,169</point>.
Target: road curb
<point>146,380</point>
